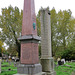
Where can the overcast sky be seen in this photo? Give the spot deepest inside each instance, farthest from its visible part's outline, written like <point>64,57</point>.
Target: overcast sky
<point>58,4</point>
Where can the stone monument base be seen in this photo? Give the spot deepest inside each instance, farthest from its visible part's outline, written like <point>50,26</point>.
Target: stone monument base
<point>35,69</point>
<point>48,65</point>
<point>41,73</point>
<point>52,73</point>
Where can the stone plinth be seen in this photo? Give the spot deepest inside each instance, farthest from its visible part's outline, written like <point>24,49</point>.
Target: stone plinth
<point>0,64</point>
<point>46,52</point>
<point>47,65</point>
<point>41,73</point>
<point>29,69</point>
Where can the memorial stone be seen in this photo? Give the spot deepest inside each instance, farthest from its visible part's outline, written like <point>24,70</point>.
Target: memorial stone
<point>0,64</point>
<point>63,60</point>
<point>29,42</point>
<point>46,52</point>
<point>72,60</point>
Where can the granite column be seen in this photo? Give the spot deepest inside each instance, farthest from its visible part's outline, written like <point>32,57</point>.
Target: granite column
<point>29,42</point>
<point>46,51</point>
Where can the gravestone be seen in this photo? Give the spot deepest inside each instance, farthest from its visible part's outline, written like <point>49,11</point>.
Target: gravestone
<point>72,60</point>
<point>47,60</point>
<point>0,64</point>
<point>66,61</point>
<point>63,61</point>
<point>9,60</point>
<point>29,42</point>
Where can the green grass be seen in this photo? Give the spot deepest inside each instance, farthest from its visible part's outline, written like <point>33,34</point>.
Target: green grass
<point>6,66</point>
<point>60,70</point>
<point>65,70</point>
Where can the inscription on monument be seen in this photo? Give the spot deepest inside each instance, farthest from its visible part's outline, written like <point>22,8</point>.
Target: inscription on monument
<point>35,50</point>
<point>25,51</point>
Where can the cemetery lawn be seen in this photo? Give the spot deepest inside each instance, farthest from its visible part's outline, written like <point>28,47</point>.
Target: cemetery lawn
<point>66,69</point>
<point>8,69</point>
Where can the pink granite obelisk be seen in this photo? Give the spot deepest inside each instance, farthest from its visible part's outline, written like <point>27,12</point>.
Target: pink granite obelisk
<point>29,42</point>
<point>29,18</point>
<point>29,50</point>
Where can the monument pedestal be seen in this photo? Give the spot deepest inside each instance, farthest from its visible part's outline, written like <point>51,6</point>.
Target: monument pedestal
<point>34,69</point>
<point>41,73</point>
<point>48,65</point>
<point>29,56</point>
<point>29,69</point>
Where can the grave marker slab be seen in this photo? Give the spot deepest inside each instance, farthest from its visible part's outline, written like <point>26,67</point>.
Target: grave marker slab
<point>72,60</point>
<point>0,64</point>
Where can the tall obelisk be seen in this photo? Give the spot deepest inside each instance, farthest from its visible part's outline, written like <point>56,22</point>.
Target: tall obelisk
<point>46,52</point>
<point>29,42</point>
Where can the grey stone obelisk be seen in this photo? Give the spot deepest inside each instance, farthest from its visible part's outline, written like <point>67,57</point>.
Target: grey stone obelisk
<point>46,52</point>
<point>0,65</point>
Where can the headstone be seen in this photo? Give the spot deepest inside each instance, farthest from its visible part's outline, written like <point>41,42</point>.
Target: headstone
<point>29,42</point>
<point>9,60</point>
<point>47,60</point>
<point>63,61</point>
<point>72,60</point>
<point>13,58</point>
<point>66,61</point>
<point>0,64</point>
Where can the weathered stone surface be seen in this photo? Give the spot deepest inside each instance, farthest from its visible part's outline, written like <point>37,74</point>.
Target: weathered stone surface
<point>72,60</point>
<point>29,53</point>
<point>41,73</point>
<point>33,74</point>
<point>46,52</point>
<point>45,34</point>
<point>29,37</point>
<point>29,69</point>
<point>52,73</point>
<point>0,64</point>
<point>29,42</point>
<point>29,18</point>
<point>47,65</point>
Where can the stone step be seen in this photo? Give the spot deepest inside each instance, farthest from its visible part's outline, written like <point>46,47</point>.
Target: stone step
<point>42,73</point>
